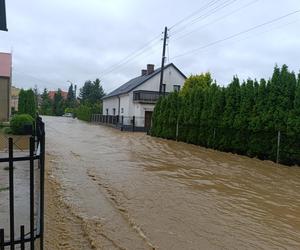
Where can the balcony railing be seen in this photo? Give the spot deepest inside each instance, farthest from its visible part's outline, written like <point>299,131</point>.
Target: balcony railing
<point>144,96</point>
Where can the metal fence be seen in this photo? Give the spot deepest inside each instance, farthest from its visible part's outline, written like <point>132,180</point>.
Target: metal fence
<point>126,123</point>
<point>22,237</point>
<point>278,146</point>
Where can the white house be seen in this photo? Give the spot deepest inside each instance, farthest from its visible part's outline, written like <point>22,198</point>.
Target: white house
<point>137,97</point>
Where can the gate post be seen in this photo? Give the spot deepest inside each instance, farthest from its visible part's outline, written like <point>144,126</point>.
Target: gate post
<point>278,147</point>
<point>133,123</point>
<point>11,194</point>
<point>177,129</point>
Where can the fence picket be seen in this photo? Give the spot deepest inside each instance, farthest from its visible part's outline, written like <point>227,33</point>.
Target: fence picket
<point>11,193</point>
<point>35,153</point>
<point>22,237</point>
<point>1,239</point>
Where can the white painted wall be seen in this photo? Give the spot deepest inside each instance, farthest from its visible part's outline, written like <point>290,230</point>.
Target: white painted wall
<point>171,77</point>
<point>110,104</point>
<point>125,105</point>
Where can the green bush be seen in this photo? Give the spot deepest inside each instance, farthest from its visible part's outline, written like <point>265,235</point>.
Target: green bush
<point>18,122</point>
<point>84,111</point>
<point>7,130</point>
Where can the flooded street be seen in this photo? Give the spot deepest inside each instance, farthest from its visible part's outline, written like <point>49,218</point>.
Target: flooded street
<point>124,190</point>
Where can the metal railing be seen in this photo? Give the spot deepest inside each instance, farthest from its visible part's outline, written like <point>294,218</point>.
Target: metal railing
<point>145,96</point>
<point>125,123</point>
<point>36,154</point>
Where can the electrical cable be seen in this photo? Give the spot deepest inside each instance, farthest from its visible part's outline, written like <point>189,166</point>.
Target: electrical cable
<point>237,34</point>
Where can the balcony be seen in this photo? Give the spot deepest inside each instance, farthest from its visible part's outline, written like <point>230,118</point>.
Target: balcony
<point>144,96</point>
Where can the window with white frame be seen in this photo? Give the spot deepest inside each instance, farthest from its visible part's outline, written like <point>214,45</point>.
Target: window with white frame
<point>176,88</point>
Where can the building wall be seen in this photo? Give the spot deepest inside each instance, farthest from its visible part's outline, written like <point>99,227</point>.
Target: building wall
<point>125,105</point>
<point>171,77</point>
<point>110,104</point>
<point>14,101</point>
<point>4,99</point>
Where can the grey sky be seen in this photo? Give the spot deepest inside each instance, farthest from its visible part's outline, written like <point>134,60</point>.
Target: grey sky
<point>54,41</point>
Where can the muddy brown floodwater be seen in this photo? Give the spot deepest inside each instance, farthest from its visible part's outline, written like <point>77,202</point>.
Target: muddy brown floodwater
<point>119,190</point>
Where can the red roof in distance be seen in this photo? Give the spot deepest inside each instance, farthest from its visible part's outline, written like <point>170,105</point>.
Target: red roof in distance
<point>52,93</point>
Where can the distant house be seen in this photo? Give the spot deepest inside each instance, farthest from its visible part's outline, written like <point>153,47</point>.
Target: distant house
<point>5,85</point>
<point>137,97</point>
<point>51,94</point>
<point>14,101</point>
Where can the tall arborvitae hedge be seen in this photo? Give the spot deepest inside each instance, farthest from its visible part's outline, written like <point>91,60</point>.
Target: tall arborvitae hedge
<point>242,118</point>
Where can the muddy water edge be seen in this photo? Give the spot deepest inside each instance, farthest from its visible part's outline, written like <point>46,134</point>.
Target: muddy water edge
<point>113,190</point>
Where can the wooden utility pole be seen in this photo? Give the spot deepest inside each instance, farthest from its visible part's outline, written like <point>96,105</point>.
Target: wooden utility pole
<point>163,61</point>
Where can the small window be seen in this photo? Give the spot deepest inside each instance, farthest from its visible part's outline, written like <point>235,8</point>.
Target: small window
<point>176,88</point>
<point>122,110</point>
<point>163,89</point>
<point>114,111</point>
<point>106,111</point>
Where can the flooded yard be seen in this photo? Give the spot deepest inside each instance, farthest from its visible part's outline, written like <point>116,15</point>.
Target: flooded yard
<point>115,190</point>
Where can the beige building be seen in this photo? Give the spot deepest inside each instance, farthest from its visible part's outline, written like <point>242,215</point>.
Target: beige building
<point>5,85</point>
<point>14,100</point>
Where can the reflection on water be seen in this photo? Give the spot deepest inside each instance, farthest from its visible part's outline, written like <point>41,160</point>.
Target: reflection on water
<point>132,191</point>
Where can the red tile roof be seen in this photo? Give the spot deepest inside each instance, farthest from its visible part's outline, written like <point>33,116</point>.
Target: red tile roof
<point>52,93</point>
<point>5,64</point>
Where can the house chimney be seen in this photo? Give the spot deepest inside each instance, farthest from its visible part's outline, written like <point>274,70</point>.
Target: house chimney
<point>150,68</point>
<point>144,72</point>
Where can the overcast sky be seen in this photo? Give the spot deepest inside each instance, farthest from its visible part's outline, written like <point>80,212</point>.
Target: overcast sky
<point>54,41</point>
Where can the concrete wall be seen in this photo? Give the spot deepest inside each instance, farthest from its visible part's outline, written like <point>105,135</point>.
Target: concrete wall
<point>4,99</point>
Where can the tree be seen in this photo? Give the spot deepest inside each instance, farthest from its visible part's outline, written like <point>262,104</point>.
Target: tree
<point>91,92</point>
<point>27,102</point>
<point>46,103</point>
<point>71,99</point>
<point>36,97</point>
<point>58,104</point>
<point>238,118</point>
<point>197,81</point>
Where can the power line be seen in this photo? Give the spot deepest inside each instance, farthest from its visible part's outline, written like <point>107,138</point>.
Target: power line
<point>216,20</point>
<point>204,7</point>
<point>120,65</point>
<point>237,34</point>
<point>155,40</point>
<point>204,16</point>
<point>131,56</point>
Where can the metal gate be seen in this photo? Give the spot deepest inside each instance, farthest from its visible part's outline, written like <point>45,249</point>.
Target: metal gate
<point>27,236</point>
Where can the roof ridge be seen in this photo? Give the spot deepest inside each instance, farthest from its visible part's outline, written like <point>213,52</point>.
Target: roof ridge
<point>125,89</point>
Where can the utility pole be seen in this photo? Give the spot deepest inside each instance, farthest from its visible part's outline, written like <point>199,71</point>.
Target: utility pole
<point>163,62</point>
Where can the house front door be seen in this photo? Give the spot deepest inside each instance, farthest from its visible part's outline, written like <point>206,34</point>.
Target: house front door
<point>148,117</point>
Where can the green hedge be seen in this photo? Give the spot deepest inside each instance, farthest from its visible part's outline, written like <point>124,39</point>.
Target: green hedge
<point>243,118</point>
<point>18,122</point>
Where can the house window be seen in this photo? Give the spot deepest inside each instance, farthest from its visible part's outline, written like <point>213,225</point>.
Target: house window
<point>114,111</point>
<point>122,110</point>
<point>163,88</point>
<point>106,111</point>
<point>176,88</point>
